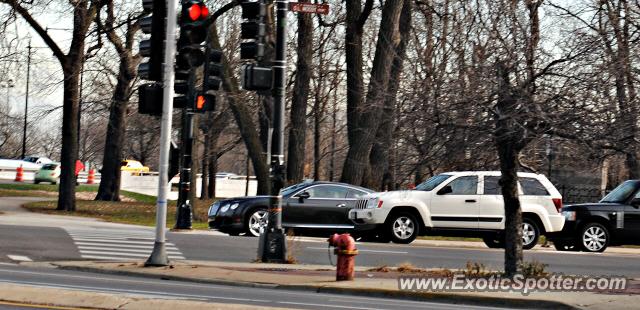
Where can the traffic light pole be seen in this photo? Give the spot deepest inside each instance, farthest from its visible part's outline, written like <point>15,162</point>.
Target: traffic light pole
<point>159,254</point>
<point>273,242</point>
<point>184,215</point>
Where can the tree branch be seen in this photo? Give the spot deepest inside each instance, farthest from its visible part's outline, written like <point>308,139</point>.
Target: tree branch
<point>36,26</point>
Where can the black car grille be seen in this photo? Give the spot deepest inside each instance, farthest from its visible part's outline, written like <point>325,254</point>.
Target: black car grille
<point>361,204</point>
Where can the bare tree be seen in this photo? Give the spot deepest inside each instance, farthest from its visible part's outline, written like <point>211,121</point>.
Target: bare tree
<point>84,12</point>
<point>298,126</point>
<point>109,189</point>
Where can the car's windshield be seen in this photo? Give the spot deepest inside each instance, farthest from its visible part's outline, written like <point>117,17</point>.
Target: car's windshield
<point>49,167</point>
<point>432,183</point>
<point>620,193</point>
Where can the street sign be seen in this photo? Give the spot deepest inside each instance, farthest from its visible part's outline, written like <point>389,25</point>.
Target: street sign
<point>304,7</point>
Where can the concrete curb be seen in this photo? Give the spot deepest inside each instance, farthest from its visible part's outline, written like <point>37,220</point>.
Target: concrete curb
<point>454,298</point>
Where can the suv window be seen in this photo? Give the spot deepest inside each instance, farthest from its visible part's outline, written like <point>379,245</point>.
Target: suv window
<point>467,185</point>
<point>327,191</point>
<point>432,182</point>
<point>533,187</point>
<point>491,186</point>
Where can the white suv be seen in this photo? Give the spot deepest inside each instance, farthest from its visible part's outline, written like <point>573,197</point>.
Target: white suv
<point>460,204</point>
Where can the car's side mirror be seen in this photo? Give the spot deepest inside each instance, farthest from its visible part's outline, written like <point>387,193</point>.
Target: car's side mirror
<point>635,202</point>
<point>304,195</point>
<point>445,190</point>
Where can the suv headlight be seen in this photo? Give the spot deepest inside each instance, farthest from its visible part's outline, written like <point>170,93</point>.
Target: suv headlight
<point>234,206</point>
<point>569,215</point>
<point>374,203</point>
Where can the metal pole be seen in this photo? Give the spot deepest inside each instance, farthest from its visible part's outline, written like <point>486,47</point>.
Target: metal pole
<point>159,255</point>
<point>26,102</point>
<point>80,101</point>
<point>184,214</point>
<point>273,243</point>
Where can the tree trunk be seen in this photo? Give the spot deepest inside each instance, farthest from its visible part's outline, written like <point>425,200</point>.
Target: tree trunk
<point>509,142</point>
<point>206,155</point>
<point>195,167</point>
<point>379,157</point>
<point>298,126</point>
<point>512,210</point>
<point>109,189</point>
<point>355,89</point>
<point>213,170</point>
<point>69,152</point>
<point>362,135</point>
<point>317,137</point>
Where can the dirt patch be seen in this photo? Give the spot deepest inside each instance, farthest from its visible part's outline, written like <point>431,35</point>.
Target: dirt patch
<point>85,195</point>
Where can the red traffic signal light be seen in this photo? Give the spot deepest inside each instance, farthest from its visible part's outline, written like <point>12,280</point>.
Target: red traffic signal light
<point>197,11</point>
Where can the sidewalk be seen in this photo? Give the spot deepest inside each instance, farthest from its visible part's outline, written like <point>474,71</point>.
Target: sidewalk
<point>367,283</point>
<point>481,245</point>
<point>42,297</point>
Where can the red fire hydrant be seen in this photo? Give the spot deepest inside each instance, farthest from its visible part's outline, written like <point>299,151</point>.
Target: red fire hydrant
<point>345,248</point>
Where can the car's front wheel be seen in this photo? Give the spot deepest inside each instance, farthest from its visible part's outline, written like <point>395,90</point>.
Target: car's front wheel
<point>402,227</point>
<point>257,222</point>
<point>594,237</point>
<point>530,233</point>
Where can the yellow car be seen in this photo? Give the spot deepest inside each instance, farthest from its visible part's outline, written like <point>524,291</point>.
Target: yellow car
<point>133,166</point>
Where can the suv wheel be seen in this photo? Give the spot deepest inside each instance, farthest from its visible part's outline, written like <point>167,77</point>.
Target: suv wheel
<point>494,241</point>
<point>257,222</point>
<point>402,227</point>
<point>530,233</point>
<point>594,237</point>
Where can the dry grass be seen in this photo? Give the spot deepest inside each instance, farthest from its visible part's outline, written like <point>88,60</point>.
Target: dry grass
<point>139,213</point>
<point>383,268</point>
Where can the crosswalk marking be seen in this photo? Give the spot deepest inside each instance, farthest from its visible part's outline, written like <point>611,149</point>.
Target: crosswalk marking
<point>117,241</point>
<point>111,244</point>
<point>134,250</point>
<point>19,258</point>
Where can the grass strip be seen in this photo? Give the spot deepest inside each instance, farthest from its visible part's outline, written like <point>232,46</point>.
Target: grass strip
<point>138,213</point>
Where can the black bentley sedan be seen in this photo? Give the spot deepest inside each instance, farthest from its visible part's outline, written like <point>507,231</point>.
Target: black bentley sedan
<point>592,227</point>
<point>308,206</point>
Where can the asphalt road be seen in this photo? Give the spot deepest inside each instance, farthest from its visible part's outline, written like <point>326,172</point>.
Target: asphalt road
<point>155,288</point>
<point>47,244</point>
<point>39,237</point>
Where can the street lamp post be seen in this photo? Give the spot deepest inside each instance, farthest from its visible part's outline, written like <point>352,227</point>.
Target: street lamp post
<point>26,102</point>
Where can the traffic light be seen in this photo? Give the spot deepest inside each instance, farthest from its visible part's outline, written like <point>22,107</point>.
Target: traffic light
<point>253,29</point>
<point>256,78</point>
<point>181,84</point>
<point>193,31</point>
<point>150,99</point>
<point>212,70</point>
<point>153,48</point>
<point>174,161</point>
<point>150,95</point>
<point>204,103</point>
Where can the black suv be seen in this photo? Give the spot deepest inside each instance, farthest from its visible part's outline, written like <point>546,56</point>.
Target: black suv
<point>592,227</point>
